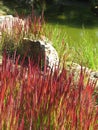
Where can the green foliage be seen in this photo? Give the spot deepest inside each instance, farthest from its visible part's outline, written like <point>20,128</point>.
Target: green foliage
<point>88,54</point>
<point>83,51</point>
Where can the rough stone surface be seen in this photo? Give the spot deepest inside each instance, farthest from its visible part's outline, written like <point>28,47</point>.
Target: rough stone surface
<point>5,17</point>
<point>8,21</point>
<point>41,49</point>
<point>91,74</point>
<point>44,48</point>
<point>34,48</point>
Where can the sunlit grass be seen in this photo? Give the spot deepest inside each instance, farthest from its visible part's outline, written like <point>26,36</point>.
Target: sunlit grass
<point>80,47</point>
<point>83,50</point>
<point>31,100</point>
<point>70,38</point>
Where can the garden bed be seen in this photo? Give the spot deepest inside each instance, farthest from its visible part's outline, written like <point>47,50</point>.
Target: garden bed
<point>31,98</point>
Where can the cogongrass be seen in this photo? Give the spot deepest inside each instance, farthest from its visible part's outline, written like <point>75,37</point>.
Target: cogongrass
<point>31,99</point>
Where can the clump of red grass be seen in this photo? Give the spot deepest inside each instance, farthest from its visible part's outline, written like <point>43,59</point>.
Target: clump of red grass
<point>31,100</point>
<point>20,26</point>
<point>14,30</point>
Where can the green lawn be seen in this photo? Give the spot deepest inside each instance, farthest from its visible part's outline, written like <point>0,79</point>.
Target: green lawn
<point>76,26</point>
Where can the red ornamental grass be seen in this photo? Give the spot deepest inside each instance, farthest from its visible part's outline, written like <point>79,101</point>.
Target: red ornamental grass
<point>18,28</point>
<point>31,99</point>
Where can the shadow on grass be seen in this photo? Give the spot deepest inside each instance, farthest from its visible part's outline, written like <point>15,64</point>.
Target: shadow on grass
<point>71,15</point>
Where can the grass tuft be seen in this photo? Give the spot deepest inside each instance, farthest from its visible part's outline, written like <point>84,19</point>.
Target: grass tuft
<point>30,99</point>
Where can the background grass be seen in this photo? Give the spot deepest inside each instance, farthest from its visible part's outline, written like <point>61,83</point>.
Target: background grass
<point>38,101</point>
<point>77,26</point>
<point>83,51</point>
<point>72,28</point>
